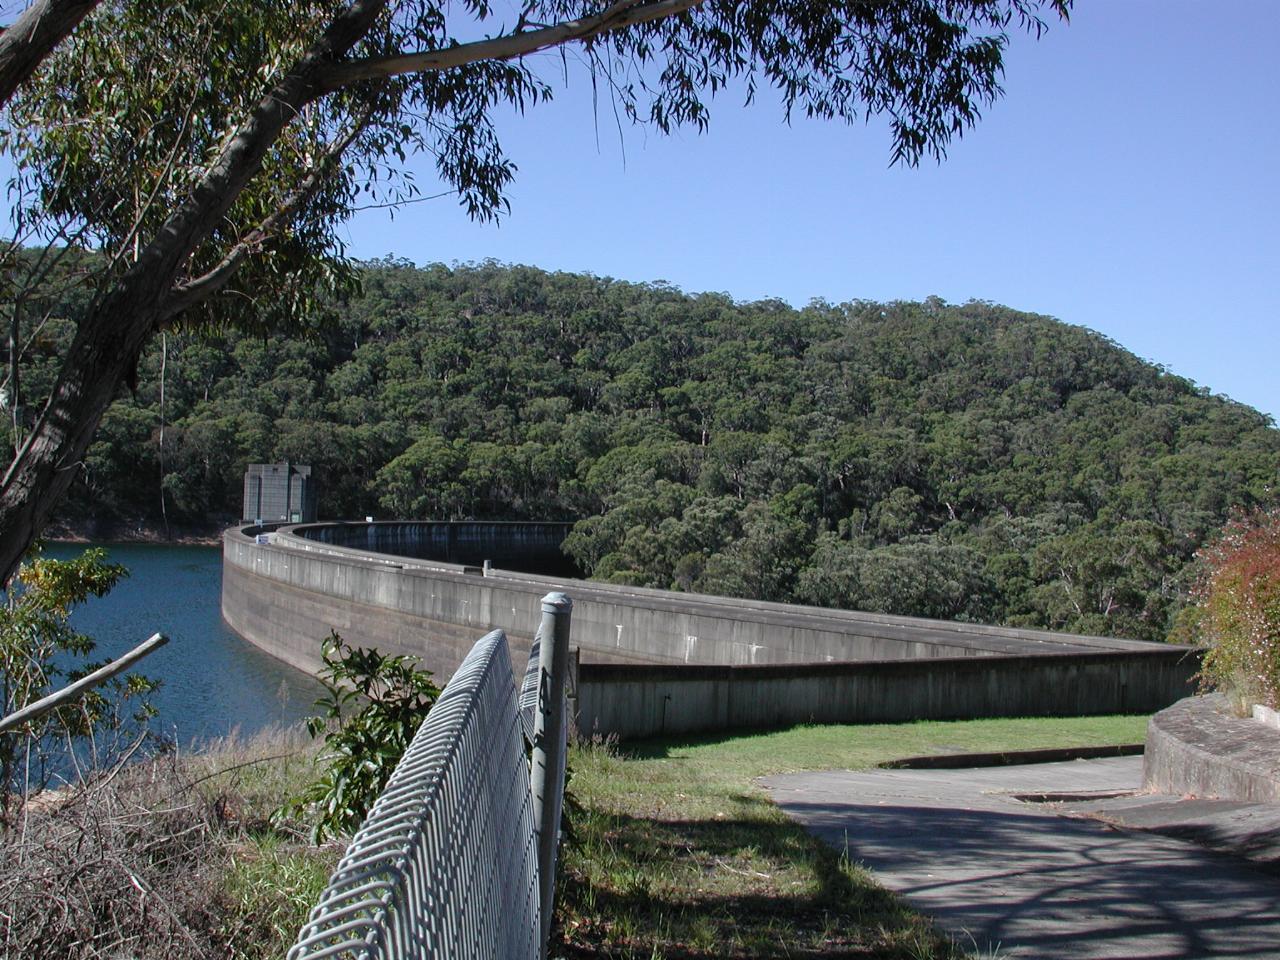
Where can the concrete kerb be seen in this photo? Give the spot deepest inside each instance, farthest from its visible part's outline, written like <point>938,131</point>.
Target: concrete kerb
<point>1010,758</point>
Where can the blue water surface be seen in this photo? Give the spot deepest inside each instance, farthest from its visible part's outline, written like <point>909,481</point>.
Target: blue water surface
<point>212,681</point>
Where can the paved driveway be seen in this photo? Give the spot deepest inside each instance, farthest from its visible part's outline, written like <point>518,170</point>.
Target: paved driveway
<point>963,848</point>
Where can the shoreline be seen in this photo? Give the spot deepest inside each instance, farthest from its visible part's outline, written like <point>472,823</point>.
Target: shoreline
<point>186,537</point>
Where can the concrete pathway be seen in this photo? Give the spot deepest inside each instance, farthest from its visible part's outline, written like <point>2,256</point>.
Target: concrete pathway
<point>1018,874</point>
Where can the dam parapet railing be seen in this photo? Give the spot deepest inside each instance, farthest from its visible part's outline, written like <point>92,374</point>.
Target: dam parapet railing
<point>802,663</point>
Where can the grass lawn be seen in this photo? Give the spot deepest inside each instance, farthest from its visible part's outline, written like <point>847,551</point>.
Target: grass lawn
<point>676,853</point>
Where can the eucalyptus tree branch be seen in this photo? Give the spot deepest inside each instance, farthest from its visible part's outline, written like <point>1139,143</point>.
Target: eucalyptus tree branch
<point>124,318</point>
<point>51,255</point>
<point>397,204</point>
<point>241,157</point>
<point>48,259</point>
<point>161,180</point>
<point>510,46</point>
<point>30,38</point>
<point>191,292</point>
<point>22,350</point>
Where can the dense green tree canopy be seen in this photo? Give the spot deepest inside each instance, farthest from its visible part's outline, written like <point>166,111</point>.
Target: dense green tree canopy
<point>950,461</point>
<point>206,149</point>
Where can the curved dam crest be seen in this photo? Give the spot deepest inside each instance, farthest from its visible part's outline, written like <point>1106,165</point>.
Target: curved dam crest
<point>661,662</point>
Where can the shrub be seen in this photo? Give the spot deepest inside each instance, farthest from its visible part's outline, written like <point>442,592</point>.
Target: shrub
<point>1238,609</point>
<point>372,706</point>
<point>40,652</point>
<point>113,869</point>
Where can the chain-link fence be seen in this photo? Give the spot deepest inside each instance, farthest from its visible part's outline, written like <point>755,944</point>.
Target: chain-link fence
<point>447,864</point>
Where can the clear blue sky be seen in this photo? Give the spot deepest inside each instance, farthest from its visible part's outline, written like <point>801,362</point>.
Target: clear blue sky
<point>1126,182</point>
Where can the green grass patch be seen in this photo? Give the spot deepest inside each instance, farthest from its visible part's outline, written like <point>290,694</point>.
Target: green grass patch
<point>269,886</point>
<point>852,747</point>
<point>676,853</point>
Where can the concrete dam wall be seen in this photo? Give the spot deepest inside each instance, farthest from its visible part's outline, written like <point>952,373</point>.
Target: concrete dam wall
<point>722,662</point>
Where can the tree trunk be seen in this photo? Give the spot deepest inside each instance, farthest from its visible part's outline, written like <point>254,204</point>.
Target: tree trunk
<point>110,339</point>
<point>31,37</point>
<point>105,349</point>
<point>15,386</point>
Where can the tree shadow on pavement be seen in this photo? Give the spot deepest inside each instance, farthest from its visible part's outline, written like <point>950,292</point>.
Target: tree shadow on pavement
<point>737,887</point>
<point>1050,887</point>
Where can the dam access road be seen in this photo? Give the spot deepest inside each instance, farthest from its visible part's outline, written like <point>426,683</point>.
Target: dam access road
<point>1016,862</point>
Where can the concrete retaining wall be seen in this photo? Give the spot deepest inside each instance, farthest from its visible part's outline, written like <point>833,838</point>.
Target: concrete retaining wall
<point>1198,747</point>
<point>286,602</point>
<point>631,624</point>
<point>643,701</point>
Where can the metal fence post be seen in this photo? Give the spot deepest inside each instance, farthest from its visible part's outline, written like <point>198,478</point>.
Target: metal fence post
<point>546,778</point>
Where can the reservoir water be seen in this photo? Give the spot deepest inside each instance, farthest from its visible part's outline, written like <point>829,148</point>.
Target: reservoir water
<point>213,682</point>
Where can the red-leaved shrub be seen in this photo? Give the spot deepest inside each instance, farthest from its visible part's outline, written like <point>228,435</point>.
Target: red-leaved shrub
<point>1238,615</point>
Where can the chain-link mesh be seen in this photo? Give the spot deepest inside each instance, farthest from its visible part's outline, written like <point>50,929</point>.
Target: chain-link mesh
<point>445,865</point>
<point>529,687</point>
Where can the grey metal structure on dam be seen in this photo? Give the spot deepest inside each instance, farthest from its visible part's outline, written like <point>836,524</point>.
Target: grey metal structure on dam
<point>654,662</point>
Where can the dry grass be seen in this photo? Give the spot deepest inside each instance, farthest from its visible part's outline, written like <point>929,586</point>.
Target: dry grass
<point>170,858</point>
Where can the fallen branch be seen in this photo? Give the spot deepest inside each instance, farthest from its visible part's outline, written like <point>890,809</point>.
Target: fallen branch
<point>69,693</point>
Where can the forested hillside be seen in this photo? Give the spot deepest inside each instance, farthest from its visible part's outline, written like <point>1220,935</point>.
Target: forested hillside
<point>950,461</point>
